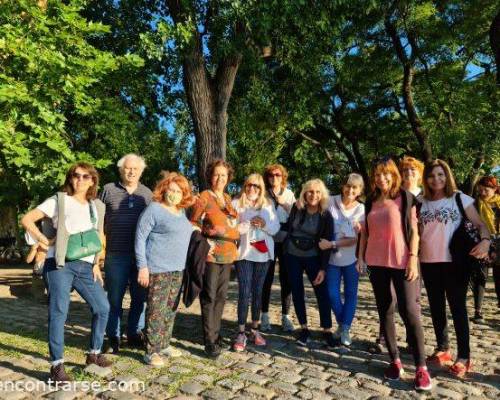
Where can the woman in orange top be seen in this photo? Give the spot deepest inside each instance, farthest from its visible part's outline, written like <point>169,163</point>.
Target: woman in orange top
<point>216,217</point>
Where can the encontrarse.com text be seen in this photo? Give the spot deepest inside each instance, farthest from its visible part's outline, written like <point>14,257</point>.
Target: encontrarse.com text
<point>86,386</point>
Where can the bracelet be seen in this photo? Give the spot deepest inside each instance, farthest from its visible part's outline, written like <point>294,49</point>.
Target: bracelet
<point>486,238</point>
<point>413,255</point>
<point>334,244</point>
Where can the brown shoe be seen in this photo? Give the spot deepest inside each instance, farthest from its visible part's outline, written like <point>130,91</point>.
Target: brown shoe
<point>98,359</point>
<point>58,374</point>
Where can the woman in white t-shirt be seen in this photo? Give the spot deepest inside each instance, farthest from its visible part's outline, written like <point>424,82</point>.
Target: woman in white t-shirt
<point>82,212</point>
<point>348,215</point>
<point>257,224</point>
<point>439,217</point>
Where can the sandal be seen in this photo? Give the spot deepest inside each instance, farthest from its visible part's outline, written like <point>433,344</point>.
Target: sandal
<point>459,369</point>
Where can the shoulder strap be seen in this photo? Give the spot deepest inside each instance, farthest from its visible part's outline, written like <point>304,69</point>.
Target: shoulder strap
<point>460,205</point>
<point>368,208</point>
<point>93,219</point>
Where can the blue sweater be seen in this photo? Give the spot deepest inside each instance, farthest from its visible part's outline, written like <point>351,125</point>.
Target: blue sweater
<point>162,239</point>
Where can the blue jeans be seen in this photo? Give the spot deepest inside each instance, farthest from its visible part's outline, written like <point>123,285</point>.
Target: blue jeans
<point>251,277</point>
<point>344,311</point>
<point>78,275</point>
<point>296,267</point>
<point>121,271</point>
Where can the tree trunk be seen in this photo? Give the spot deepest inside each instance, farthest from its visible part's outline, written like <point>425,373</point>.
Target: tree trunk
<point>470,181</point>
<point>208,97</point>
<point>407,91</point>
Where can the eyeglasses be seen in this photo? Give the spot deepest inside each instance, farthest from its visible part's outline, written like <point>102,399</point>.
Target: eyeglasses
<point>278,175</point>
<point>78,176</point>
<point>253,185</point>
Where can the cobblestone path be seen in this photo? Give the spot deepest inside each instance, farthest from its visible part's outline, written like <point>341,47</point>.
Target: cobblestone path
<point>280,371</point>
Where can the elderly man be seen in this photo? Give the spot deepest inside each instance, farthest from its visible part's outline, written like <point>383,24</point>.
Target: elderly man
<point>124,202</point>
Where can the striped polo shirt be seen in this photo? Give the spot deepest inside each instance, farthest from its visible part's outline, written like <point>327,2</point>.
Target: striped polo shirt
<point>122,213</point>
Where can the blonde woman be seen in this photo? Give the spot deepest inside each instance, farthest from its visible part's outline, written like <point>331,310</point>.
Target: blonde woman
<point>258,223</point>
<point>309,222</point>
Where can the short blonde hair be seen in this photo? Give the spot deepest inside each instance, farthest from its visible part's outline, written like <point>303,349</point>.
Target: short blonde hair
<point>306,187</point>
<point>261,200</point>
<point>355,179</point>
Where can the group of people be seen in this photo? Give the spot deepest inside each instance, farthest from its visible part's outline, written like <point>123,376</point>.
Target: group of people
<point>398,235</point>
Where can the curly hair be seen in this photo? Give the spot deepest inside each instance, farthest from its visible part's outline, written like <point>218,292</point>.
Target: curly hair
<point>173,177</point>
<point>219,163</point>
<point>271,168</point>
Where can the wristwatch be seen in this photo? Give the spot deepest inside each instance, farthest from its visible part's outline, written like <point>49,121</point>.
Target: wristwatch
<point>334,244</point>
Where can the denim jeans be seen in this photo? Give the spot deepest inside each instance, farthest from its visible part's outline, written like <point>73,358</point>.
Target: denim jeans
<point>296,267</point>
<point>78,275</point>
<point>121,271</point>
<point>343,310</point>
<point>251,276</point>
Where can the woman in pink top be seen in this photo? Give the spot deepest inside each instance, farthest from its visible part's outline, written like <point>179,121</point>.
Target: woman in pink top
<point>389,245</point>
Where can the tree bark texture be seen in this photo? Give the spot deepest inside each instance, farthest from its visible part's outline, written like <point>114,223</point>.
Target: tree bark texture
<point>207,96</point>
<point>407,92</point>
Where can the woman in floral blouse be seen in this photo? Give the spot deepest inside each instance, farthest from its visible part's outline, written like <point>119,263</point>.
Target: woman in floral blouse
<point>216,217</point>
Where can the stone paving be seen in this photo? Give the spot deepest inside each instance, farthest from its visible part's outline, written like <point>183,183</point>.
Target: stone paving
<point>282,370</point>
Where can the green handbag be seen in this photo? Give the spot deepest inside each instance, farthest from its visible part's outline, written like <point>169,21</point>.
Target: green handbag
<point>84,244</point>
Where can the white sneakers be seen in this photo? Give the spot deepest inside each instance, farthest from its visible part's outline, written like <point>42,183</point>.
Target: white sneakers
<point>156,360</point>
<point>286,323</point>
<point>265,325</point>
<point>345,338</point>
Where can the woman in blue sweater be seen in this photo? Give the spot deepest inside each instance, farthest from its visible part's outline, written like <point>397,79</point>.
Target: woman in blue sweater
<point>161,245</point>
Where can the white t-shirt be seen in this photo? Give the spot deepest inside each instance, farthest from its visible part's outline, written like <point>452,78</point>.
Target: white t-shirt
<point>77,218</point>
<point>344,228</point>
<point>438,221</point>
<point>289,200</point>
<point>249,234</point>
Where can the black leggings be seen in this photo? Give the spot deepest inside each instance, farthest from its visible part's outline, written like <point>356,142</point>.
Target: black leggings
<point>409,309</point>
<point>478,285</point>
<point>448,281</point>
<point>286,291</point>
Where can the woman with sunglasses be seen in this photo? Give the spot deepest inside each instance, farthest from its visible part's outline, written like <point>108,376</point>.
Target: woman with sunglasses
<point>73,211</point>
<point>282,199</point>
<point>257,224</point>
<point>214,214</point>
<point>389,245</point>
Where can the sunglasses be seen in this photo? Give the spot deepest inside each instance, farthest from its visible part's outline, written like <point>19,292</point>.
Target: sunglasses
<point>381,160</point>
<point>254,185</point>
<point>78,176</point>
<point>278,175</point>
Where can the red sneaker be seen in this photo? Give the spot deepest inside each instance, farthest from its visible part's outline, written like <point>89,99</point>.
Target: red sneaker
<point>422,379</point>
<point>395,371</point>
<point>459,369</point>
<point>257,339</point>
<point>440,358</point>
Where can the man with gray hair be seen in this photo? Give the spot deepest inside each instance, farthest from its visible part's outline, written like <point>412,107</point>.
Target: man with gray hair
<point>125,201</point>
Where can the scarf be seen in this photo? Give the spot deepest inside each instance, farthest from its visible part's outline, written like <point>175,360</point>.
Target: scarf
<point>488,214</point>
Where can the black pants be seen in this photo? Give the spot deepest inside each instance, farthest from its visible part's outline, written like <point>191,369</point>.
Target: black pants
<point>448,281</point>
<point>213,299</point>
<point>286,291</point>
<point>478,284</point>
<point>496,279</point>
<point>408,307</point>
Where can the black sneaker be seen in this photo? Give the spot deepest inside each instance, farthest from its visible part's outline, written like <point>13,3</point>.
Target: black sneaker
<point>478,318</point>
<point>112,345</point>
<point>303,338</point>
<point>212,350</point>
<point>330,341</point>
<point>137,341</point>
<point>220,342</point>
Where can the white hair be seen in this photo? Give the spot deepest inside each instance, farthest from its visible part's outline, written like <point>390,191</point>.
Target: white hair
<point>133,156</point>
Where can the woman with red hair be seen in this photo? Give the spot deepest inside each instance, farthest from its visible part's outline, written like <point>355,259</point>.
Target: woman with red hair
<point>161,245</point>
<point>389,245</point>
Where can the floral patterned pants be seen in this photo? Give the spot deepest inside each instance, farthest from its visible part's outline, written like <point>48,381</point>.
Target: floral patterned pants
<point>160,314</point>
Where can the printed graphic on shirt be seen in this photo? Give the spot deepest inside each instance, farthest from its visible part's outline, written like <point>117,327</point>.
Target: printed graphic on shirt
<point>442,215</point>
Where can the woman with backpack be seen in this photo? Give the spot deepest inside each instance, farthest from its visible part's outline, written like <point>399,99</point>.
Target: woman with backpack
<point>309,222</point>
<point>389,245</point>
<point>73,261</point>
<point>441,214</point>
